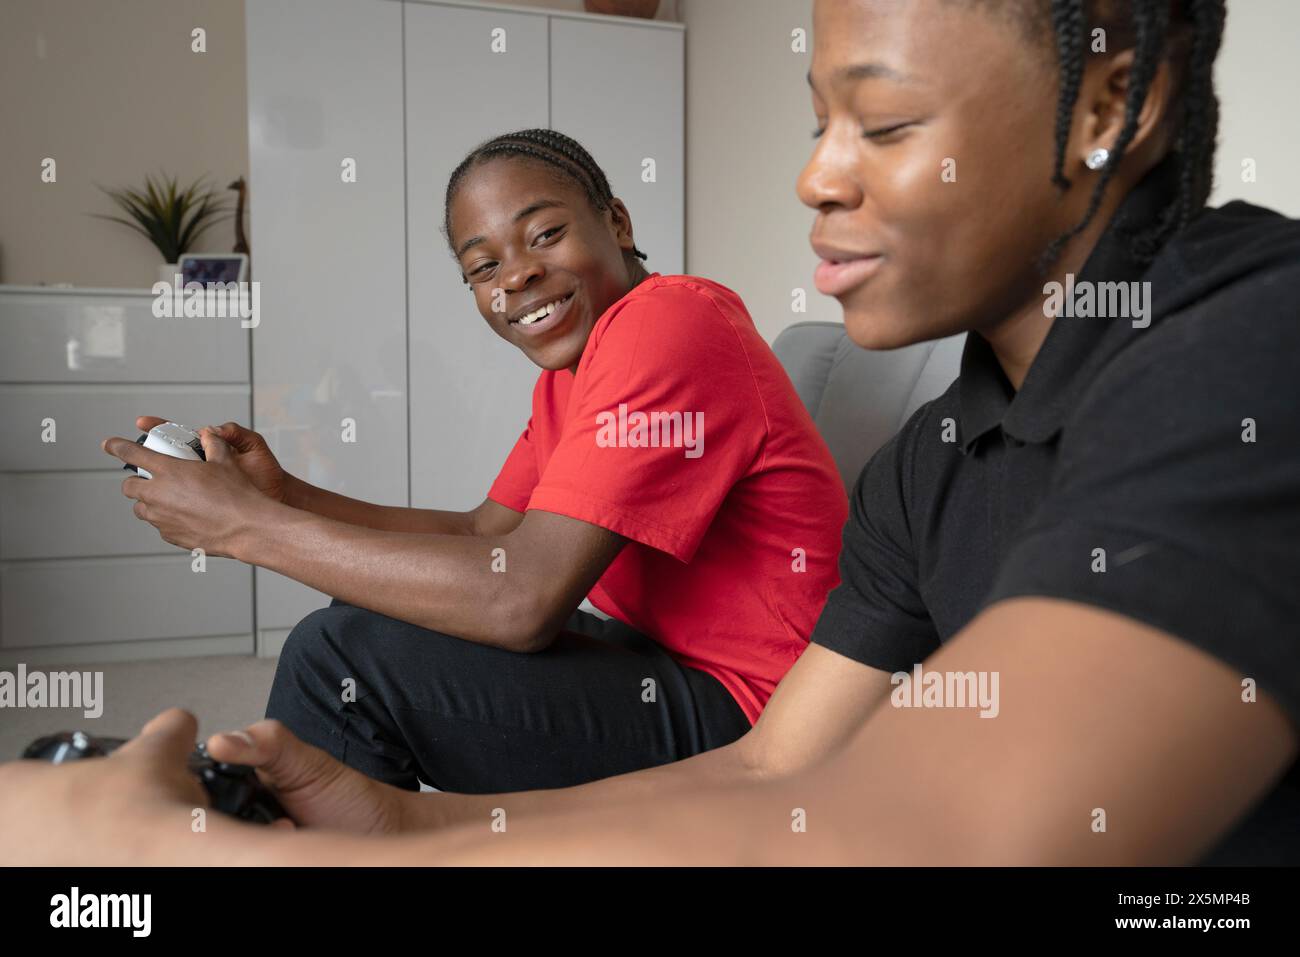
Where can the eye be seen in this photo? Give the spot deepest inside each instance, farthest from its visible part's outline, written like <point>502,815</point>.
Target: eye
<point>868,134</point>
<point>884,131</point>
<point>547,234</point>
<point>481,268</point>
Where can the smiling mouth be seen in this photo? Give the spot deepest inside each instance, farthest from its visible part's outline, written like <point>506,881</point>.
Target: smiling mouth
<point>540,316</point>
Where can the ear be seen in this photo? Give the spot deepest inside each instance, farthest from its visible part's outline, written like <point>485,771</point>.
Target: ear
<point>1104,98</point>
<point>621,220</point>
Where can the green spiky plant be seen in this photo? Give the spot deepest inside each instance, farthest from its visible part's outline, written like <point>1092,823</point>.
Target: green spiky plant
<point>169,217</point>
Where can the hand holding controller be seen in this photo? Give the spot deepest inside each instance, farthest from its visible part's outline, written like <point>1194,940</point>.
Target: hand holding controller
<point>170,438</point>
<point>234,789</point>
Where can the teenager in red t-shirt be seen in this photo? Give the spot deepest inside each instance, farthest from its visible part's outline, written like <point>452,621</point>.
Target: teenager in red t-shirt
<point>668,470</point>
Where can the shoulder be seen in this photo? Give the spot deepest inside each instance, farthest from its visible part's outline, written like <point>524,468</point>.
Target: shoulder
<point>682,329</point>
<point>1226,340</point>
<point>677,306</point>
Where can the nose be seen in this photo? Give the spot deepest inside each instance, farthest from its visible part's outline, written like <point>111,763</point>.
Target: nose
<point>520,271</point>
<point>829,177</point>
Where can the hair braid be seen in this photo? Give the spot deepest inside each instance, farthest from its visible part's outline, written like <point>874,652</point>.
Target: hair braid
<point>1068,20</point>
<point>1151,22</point>
<point>560,153</point>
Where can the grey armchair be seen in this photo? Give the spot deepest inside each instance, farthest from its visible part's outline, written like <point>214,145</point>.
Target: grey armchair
<point>857,398</point>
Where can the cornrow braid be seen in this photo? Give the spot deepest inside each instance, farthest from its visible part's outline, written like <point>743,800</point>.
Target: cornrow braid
<point>561,153</point>
<point>1068,21</point>
<point>1150,25</point>
<point>1200,126</point>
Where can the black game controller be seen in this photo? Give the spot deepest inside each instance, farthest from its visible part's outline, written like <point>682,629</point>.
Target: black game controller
<point>234,789</point>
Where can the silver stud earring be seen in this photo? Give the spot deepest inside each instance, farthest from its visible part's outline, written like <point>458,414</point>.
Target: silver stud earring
<point>1098,158</point>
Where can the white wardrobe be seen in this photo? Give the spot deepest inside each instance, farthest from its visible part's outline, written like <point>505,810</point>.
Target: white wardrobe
<point>373,374</point>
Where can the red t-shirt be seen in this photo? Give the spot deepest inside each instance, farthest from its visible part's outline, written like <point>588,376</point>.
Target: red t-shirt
<point>682,432</point>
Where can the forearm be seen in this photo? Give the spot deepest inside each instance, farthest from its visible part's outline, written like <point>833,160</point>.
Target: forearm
<point>391,518</point>
<point>723,826</point>
<point>167,839</point>
<point>837,813</point>
<point>732,764</point>
<point>745,825</point>
<point>441,582</point>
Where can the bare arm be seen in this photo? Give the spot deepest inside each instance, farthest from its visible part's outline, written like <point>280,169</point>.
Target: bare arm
<point>489,518</point>
<point>815,709</point>
<point>513,590</point>
<point>251,452</point>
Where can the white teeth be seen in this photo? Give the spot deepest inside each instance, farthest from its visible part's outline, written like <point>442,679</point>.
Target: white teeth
<point>542,313</point>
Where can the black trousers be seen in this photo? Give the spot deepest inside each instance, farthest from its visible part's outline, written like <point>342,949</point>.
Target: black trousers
<point>399,703</point>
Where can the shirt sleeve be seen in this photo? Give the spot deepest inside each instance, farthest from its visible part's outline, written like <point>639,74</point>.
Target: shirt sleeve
<point>1176,497</point>
<point>518,476</point>
<point>664,419</point>
<point>876,614</point>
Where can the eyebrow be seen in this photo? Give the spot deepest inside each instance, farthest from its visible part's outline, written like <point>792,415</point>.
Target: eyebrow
<point>867,71</point>
<point>522,214</point>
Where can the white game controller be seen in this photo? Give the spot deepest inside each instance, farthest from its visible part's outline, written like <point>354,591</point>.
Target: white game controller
<point>178,441</point>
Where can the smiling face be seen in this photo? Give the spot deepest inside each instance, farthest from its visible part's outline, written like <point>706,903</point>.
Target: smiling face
<point>542,261</point>
<point>932,176</point>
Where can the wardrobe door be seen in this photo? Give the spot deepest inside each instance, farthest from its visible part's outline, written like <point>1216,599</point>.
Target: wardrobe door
<point>471,74</point>
<point>326,206</point>
<point>619,90</point>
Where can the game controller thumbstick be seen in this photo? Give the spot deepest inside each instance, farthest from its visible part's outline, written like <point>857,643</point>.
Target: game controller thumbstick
<point>233,789</point>
<point>170,438</point>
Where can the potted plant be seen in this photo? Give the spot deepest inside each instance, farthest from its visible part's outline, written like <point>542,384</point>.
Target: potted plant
<point>169,217</point>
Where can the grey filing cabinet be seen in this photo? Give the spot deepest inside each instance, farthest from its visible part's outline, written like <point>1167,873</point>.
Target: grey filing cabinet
<point>364,317</point>
<point>81,578</point>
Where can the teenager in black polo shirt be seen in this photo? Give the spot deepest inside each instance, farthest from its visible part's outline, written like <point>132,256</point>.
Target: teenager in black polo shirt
<point>1102,514</point>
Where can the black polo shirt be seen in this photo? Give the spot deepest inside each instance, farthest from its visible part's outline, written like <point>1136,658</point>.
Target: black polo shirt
<point>1129,437</point>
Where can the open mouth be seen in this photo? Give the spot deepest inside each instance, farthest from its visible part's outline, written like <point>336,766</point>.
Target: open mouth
<point>547,315</point>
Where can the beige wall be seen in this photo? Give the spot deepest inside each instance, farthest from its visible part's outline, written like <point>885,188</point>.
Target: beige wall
<point>111,91</point>
<point>748,133</point>
<point>1257,76</point>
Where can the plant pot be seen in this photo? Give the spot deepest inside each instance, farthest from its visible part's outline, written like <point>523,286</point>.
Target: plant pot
<point>646,9</point>
<point>167,272</point>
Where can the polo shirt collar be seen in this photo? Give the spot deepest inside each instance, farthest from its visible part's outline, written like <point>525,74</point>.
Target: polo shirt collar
<point>1075,348</point>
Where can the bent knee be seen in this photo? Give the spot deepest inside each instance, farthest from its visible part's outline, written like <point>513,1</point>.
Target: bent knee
<point>320,629</point>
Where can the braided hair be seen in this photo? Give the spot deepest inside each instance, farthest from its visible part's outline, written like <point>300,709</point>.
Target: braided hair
<point>562,154</point>
<point>1150,26</point>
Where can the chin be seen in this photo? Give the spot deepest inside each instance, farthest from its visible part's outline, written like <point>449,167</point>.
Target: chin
<point>555,358</point>
<point>878,329</point>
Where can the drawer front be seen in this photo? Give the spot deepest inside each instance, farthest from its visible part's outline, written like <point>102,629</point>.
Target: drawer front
<point>85,415</point>
<point>93,601</point>
<point>114,338</point>
<point>71,515</point>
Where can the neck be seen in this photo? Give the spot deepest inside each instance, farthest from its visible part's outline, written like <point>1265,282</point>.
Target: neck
<point>1017,338</point>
